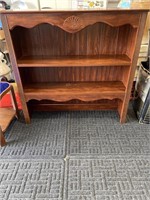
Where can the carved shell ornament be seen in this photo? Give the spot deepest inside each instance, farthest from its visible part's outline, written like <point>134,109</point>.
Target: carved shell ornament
<point>73,24</point>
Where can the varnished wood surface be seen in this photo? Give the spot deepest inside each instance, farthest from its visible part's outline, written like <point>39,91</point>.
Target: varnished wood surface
<point>12,55</point>
<point>73,74</point>
<point>136,50</point>
<point>2,139</point>
<point>75,21</point>
<point>78,61</point>
<point>74,105</point>
<point>68,91</point>
<point>6,116</point>
<point>49,41</point>
<point>40,49</point>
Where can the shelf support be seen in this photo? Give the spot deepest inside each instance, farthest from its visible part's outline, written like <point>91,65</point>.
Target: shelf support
<point>124,107</point>
<point>15,69</point>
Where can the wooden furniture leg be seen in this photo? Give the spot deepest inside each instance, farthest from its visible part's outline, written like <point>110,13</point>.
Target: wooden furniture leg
<point>2,138</point>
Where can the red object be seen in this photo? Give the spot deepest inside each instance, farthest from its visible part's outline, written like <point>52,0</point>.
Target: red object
<point>6,101</point>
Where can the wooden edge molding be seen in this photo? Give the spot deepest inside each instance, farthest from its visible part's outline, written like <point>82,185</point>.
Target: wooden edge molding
<point>66,99</point>
<point>73,22</point>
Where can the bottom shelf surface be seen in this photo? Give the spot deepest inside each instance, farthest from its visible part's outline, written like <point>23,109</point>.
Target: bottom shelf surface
<point>84,91</point>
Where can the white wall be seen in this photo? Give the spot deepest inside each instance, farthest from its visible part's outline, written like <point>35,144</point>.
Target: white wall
<point>55,4</point>
<point>33,4</point>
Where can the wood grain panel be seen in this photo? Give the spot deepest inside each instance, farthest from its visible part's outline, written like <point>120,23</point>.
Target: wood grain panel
<point>132,38</point>
<point>136,48</point>
<point>77,74</point>
<point>71,61</point>
<point>66,55</point>
<point>7,115</point>
<point>73,21</point>
<point>46,40</point>
<point>14,65</point>
<point>74,105</point>
<point>84,91</point>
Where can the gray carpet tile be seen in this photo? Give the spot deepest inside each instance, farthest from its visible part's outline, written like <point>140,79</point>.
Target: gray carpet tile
<point>76,156</point>
<point>76,133</point>
<point>91,134</point>
<point>107,140</point>
<point>45,137</point>
<point>31,179</point>
<point>108,179</point>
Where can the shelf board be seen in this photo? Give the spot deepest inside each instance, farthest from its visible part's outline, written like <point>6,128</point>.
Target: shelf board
<point>84,91</point>
<point>71,61</point>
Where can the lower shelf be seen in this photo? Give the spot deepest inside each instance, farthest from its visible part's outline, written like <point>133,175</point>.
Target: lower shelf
<point>84,91</point>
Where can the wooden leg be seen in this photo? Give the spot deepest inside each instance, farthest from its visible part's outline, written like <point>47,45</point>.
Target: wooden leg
<point>27,117</point>
<point>25,110</point>
<point>14,102</point>
<point>2,138</point>
<point>123,115</point>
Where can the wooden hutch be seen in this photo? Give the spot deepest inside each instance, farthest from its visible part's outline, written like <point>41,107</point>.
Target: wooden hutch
<point>74,59</point>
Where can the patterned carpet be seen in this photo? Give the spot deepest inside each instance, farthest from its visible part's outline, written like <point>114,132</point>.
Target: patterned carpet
<point>76,156</point>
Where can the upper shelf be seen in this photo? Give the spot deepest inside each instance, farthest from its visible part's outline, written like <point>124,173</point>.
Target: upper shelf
<point>71,61</point>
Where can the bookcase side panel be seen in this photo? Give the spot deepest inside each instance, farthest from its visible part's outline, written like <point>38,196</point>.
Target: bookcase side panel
<point>14,66</point>
<point>135,44</point>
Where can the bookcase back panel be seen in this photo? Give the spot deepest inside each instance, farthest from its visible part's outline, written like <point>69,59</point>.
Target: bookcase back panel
<point>48,40</point>
<point>72,74</point>
<point>131,42</point>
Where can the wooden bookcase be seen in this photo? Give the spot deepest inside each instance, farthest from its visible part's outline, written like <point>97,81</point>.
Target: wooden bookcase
<point>74,60</point>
